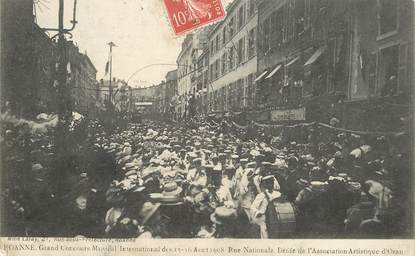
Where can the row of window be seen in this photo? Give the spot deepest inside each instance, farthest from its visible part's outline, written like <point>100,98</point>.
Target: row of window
<point>235,24</point>
<point>285,24</point>
<point>236,96</point>
<point>234,56</point>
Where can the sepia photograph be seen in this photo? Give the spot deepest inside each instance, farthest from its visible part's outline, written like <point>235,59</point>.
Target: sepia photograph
<point>197,119</point>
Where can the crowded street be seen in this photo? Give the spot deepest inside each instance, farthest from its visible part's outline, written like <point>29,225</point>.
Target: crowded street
<point>212,180</point>
<point>247,119</point>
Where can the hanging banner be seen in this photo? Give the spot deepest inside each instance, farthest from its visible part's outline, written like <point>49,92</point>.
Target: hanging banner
<point>288,115</point>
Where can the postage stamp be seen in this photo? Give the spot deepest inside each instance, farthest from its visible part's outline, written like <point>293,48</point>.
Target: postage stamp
<point>185,15</point>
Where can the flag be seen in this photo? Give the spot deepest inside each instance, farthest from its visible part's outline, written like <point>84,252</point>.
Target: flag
<point>107,67</point>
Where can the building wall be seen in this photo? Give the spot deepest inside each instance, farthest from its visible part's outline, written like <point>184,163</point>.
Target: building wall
<point>358,75</point>
<point>83,81</point>
<point>380,92</point>
<point>378,55</point>
<point>308,43</point>
<point>184,66</point>
<point>28,58</point>
<point>231,68</point>
<point>143,94</point>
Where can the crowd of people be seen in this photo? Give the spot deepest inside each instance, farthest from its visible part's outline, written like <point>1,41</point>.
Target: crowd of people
<point>209,180</point>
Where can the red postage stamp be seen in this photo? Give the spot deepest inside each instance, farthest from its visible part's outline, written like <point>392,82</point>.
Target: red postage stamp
<point>185,15</point>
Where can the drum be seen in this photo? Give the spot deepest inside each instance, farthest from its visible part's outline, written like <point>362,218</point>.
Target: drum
<point>281,219</point>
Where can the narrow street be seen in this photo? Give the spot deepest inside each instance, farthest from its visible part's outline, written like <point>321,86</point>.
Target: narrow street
<point>174,119</point>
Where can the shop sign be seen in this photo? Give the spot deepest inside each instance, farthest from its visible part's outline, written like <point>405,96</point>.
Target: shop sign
<point>288,115</point>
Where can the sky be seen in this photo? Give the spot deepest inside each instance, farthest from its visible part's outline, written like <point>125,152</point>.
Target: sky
<point>139,28</point>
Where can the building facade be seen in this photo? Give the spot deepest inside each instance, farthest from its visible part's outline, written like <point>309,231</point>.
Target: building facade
<point>202,83</point>
<point>187,72</point>
<point>184,83</point>
<point>233,59</point>
<point>28,58</point>
<point>160,98</point>
<point>318,58</point>
<point>380,90</point>
<point>82,80</point>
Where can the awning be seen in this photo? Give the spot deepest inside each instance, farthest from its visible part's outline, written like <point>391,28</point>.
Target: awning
<point>260,76</point>
<point>315,56</point>
<point>273,72</point>
<point>292,61</point>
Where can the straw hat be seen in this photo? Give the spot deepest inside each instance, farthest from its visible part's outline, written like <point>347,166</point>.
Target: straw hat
<point>318,186</point>
<point>171,189</point>
<point>223,215</point>
<point>147,211</point>
<point>37,167</point>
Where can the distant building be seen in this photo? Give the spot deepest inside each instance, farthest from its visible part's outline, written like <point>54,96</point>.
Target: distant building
<point>187,77</point>
<point>82,79</point>
<point>143,96</point>
<point>159,98</point>
<point>122,94</point>
<point>171,91</point>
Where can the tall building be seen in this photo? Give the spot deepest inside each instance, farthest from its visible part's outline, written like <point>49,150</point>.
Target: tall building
<point>82,80</point>
<point>184,66</point>
<point>318,59</point>
<point>28,59</point>
<point>187,73</point>
<point>233,59</point>
<point>202,81</point>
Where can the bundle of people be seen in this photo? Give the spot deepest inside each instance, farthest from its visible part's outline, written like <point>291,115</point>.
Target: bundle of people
<point>204,181</point>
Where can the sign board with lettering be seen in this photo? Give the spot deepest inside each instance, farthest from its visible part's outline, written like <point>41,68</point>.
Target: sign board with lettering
<point>288,115</point>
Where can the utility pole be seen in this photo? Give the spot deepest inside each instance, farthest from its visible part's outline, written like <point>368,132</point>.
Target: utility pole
<point>111,44</point>
<point>64,106</point>
<point>64,109</point>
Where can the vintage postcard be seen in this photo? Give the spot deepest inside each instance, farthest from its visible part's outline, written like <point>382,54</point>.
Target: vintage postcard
<point>207,127</point>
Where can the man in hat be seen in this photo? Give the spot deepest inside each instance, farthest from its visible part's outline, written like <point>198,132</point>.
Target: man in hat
<point>228,180</point>
<point>246,190</point>
<point>260,204</point>
<point>218,193</point>
<point>224,219</point>
<point>259,158</point>
<point>206,156</point>
<point>151,219</point>
<point>222,160</point>
<point>215,161</point>
<point>294,173</point>
<point>197,174</point>
<point>201,223</point>
<point>182,161</point>
<point>240,171</point>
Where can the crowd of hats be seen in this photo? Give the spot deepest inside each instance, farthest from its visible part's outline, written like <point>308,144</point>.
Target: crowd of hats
<point>149,162</point>
<point>152,161</point>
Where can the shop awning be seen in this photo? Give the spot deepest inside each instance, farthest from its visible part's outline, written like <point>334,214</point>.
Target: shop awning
<point>273,72</point>
<point>315,56</point>
<point>260,76</point>
<point>292,61</point>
